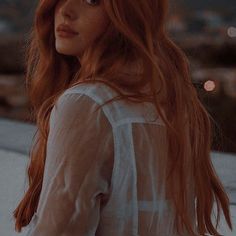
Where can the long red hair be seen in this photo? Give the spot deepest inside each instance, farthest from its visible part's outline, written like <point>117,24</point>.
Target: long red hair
<point>141,34</point>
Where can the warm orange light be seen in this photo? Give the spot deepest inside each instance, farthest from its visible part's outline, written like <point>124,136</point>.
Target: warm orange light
<point>209,85</point>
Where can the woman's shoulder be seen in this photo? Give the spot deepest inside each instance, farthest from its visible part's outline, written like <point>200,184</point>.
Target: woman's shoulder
<point>75,104</point>
<point>83,98</point>
<point>97,90</point>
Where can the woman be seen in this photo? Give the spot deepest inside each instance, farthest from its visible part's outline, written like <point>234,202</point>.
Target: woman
<point>123,142</point>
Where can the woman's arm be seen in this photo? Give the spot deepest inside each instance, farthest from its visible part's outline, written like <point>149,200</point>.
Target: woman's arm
<point>79,162</point>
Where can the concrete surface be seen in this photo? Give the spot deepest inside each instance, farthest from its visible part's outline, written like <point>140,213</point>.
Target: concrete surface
<point>12,185</point>
<point>16,136</point>
<point>15,140</point>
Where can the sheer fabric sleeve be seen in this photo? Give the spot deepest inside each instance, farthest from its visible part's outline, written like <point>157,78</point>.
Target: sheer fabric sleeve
<point>78,168</point>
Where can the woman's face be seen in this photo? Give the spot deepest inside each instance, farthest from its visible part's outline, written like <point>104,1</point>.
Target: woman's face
<point>87,17</point>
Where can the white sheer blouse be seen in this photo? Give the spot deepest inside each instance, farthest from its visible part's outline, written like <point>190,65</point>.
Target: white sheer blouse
<point>104,169</point>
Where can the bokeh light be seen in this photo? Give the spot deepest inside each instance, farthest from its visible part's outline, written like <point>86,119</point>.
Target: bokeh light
<point>231,31</point>
<point>209,85</point>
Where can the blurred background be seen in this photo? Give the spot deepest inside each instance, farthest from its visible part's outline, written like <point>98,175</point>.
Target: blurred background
<point>204,29</point>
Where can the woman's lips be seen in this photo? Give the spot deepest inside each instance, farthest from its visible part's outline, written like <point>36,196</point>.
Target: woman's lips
<point>66,34</point>
<point>65,30</point>
<point>65,27</point>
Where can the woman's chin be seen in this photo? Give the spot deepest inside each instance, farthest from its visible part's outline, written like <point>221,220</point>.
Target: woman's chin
<point>65,51</point>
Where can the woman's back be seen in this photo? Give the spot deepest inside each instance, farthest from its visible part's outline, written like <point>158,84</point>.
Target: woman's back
<point>133,167</point>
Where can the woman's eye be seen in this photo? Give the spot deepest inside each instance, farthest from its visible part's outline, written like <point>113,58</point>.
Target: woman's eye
<point>92,2</point>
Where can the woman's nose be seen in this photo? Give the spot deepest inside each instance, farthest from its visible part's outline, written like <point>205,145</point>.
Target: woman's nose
<point>68,9</point>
